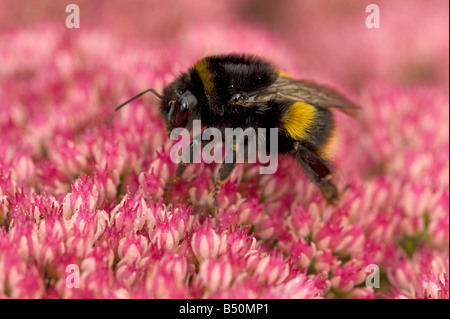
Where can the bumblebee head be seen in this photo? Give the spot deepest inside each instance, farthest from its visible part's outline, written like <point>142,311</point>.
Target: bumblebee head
<point>178,108</point>
<point>178,105</point>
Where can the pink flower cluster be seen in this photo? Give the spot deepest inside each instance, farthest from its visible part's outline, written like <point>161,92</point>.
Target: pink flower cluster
<point>83,187</point>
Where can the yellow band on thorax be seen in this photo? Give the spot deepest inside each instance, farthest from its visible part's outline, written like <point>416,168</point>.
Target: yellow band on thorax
<point>207,77</point>
<point>284,75</point>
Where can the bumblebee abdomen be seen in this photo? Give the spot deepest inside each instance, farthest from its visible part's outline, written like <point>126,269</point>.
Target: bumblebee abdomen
<point>311,125</point>
<point>298,120</point>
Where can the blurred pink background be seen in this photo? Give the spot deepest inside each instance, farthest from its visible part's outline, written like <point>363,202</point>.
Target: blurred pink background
<point>330,37</point>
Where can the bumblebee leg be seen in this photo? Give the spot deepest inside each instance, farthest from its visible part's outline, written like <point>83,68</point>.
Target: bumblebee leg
<point>185,160</point>
<point>318,172</point>
<point>225,171</point>
<point>180,170</point>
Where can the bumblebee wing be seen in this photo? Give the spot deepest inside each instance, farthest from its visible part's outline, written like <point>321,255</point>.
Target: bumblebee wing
<point>308,92</point>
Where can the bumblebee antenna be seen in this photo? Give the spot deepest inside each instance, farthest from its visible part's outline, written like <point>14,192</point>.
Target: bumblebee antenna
<point>135,97</point>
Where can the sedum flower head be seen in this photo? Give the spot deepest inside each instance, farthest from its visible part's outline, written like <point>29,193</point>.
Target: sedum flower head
<point>87,194</point>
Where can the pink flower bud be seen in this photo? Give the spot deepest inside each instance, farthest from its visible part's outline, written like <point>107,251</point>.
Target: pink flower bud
<point>236,242</point>
<point>301,287</point>
<point>269,270</point>
<point>165,236</point>
<point>304,252</point>
<point>215,274</point>
<point>132,248</point>
<point>347,276</point>
<point>205,243</point>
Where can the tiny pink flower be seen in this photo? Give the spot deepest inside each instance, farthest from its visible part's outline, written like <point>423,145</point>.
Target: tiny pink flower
<point>325,261</point>
<point>176,265</point>
<point>160,282</point>
<point>301,221</point>
<point>402,275</point>
<point>304,252</point>
<point>215,274</point>
<point>151,184</point>
<point>438,227</point>
<point>201,184</point>
<point>433,287</point>
<point>127,274</point>
<point>99,258</point>
<point>228,195</point>
<point>269,225</point>
<point>273,185</point>
<point>250,212</point>
<point>166,236</point>
<point>24,170</point>
<point>130,215</point>
<point>106,184</point>
<point>270,270</point>
<point>22,280</point>
<point>236,242</point>
<point>205,243</point>
<point>348,275</point>
<point>162,166</point>
<point>83,196</point>
<point>363,293</point>
<point>300,287</point>
<point>132,248</point>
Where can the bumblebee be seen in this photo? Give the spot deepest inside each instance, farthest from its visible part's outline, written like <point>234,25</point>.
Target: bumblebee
<point>241,91</point>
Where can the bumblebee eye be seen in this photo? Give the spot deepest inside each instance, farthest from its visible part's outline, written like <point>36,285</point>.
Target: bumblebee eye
<point>183,107</point>
<point>185,104</point>
<point>181,115</point>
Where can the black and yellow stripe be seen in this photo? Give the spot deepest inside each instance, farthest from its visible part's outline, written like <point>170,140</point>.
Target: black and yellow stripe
<point>298,120</point>
<point>202,68</point>
<point>326,149</point>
